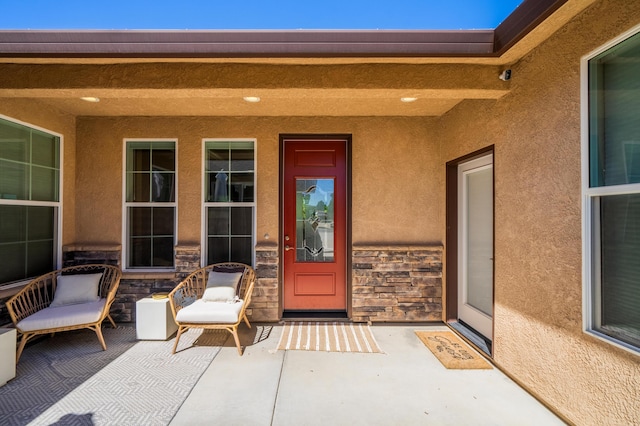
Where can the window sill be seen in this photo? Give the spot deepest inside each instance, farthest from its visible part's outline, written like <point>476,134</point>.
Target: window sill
<point>6,291</point>
<point>149,275</point>
<point>614,342</point>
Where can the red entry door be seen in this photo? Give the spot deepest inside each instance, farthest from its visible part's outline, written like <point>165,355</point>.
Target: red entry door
<point>314,224</point>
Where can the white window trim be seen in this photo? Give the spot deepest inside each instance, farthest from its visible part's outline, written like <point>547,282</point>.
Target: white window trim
<point>203,226</point>
<point>125,205</point>
<point>590,238</point>
<point>59,204</point>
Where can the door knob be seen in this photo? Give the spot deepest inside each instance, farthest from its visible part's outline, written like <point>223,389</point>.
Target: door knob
<point>287,248</point>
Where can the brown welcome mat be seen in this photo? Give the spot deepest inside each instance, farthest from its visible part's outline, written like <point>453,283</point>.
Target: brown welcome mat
<point>329,337</point>
<point>452,352</point>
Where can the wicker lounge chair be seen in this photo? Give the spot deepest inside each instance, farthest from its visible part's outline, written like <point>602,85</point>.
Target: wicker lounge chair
<point>204,300</point>
<point>71,298</point>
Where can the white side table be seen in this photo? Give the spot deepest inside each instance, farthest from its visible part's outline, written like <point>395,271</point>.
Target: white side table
<point>154,320</point>
<point>7,354</point>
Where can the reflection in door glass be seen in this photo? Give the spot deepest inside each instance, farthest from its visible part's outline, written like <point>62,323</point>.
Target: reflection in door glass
<point>314,220</point>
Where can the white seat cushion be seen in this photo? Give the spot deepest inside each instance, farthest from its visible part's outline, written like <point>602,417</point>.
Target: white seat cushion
<point>202,312</point>
<point>63,316</point>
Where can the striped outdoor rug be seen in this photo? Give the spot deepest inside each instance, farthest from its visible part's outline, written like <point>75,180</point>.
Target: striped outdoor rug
<point>329,337</point>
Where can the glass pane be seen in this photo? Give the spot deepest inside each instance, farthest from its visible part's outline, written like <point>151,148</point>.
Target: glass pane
<point>241,221</point>
<point>139,251</point>
<point>27,236</point>
<point>242,187</point>
<point>241,250</point>
<point>614,122</point>
<point>163,160</point>
<point>163,187</point>
<point>218,221</point>
<point>13,225</point>
<point>163,251</point>
<point>45,149</point>
<point>44,184</point>
<point>138,185</point>
<point>139,221</point>
<point>620,282</point>
<point>479,221</point>
<point>209,180</point>
<point>14,141</point>
<point>218,160</point>
<point>141,160</point>
<point>242,160</point>
<point>219,187</point>
<point>14,181</point>
<point>314,220</point>
<point>163,221</point>
<point>40,256</point>
<point>218,250</point>
<point>13,262</point>
<point>40,223</point>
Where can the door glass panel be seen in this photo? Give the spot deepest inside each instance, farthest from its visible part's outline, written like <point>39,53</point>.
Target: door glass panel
<point>314,220</point>
<point>480,240</point>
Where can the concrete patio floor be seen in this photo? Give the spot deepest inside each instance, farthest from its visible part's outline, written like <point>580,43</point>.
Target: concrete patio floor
<point>406,385</point>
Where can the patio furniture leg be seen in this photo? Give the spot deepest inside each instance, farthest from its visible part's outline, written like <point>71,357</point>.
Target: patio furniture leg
<point>23,341</point>
<point>175,345</point>
<point>234,331</point>
<point>98,331</point>
<point>246,321</point>
<point>111,321</point>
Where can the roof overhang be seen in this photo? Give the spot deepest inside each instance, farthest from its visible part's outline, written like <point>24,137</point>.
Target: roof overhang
<point>295,72</point>
<point>286,44</point>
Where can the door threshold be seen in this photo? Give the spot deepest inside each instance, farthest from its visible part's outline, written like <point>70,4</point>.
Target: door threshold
<point>472,336</point>
<point>314,316</point>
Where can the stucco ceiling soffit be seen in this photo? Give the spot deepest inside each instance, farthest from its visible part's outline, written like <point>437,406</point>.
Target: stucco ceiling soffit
<point>274,107</point>
<point>235,76</point>
<point>264,94</point>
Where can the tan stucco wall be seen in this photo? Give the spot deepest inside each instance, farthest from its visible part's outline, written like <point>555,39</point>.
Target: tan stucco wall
<point>392,201</point>
<point>49,118</point>
<point>398,198</point>
<point>538,246</point>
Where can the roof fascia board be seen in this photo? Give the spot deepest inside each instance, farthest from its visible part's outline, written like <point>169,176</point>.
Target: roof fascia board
<point>522,21</point>
<point>276,43</point>
<point>297,43</point>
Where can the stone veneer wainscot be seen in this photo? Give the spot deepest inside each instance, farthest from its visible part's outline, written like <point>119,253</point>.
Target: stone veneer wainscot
<point>389,283</point>
<point>265,300</point>
<point>396,283</point>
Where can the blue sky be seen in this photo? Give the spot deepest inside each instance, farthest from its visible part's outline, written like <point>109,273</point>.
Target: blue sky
<point>254,14</point>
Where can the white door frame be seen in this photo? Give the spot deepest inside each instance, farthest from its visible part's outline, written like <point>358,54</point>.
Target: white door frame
<point>474,317</point>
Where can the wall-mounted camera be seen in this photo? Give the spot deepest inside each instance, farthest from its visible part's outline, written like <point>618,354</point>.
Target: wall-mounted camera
<point>505,75</point>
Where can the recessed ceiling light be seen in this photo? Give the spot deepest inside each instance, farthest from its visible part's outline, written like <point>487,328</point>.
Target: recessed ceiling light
<point>251,99</point>
<point>408,99</point>
<point>90,99</point>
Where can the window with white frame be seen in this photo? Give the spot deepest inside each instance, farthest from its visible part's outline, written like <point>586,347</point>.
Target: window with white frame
<point>612,191</point>
<point>30,182</point>
<point>229,200</point>
<point>150,204</point>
